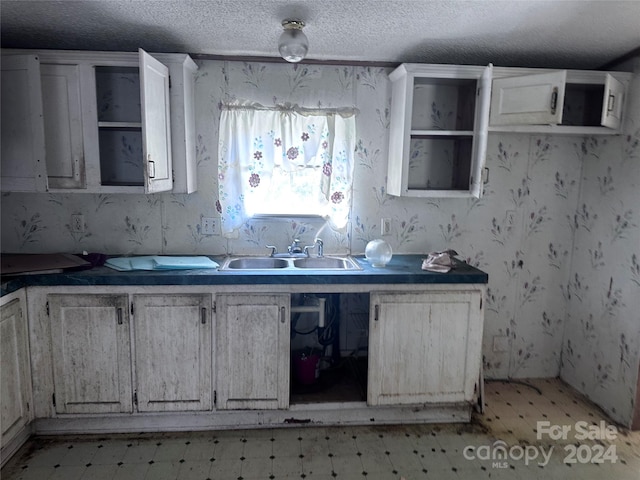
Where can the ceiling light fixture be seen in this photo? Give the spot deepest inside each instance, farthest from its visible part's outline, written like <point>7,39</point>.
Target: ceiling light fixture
<point>293,44</point>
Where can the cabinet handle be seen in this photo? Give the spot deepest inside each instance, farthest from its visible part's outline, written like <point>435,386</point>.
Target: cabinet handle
<point>283,312</point>
<point>75,168</point>
<point>611,102</point>
<point>152,167</point>
<point>376,312</point>
<point>203,315</point>
<point>554,100</point>
<point>119,315</point>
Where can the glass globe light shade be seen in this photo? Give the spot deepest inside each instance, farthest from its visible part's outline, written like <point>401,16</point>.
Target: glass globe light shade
<point>378,252</point>
<point>293,43</point>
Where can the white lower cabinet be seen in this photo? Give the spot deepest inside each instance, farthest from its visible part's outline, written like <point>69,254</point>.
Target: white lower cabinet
<point>172,352</point>
<point>91,353</point>
<point>92,343</point>
<point>152,358</point>
<point>252,360</point>
<point>424,347</point>
<point>15,377</point>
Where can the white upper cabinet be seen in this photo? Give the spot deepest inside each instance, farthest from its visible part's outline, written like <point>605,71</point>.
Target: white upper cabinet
<point>22,149</point>
<point>438,130</point>
<point>531,99</point>
<point>156,130</point>
<point>62,110</point>
<point>612,102</point>
<point>564,102</point>
<point>108,123</point>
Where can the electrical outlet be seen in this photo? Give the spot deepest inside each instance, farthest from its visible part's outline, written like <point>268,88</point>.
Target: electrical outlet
<point>500,343</point>
<point>77,223</point>
<point>209,226</point>
<point>385,226</point>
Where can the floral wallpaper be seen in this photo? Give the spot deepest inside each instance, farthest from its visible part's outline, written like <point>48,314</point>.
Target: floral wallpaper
<point>557,229</point>
<point>601,344</point>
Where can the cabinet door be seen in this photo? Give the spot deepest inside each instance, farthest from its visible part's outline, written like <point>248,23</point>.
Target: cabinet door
<point>612,103</point>
<point>173,352</point>
<point>528,100</point>
<point>424,347</point>
<point>480,133</point>
<point>252,335</point>
<point>91,353</point>
<point>22,129</point>
<point>438,124</point>
<point>183,123</point>
<point>15,386</point>
<point>156,128</point>
<point>63,125</point>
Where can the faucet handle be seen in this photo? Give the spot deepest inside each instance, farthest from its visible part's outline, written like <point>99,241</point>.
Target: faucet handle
<point>306,249</point>
<point>273,248</point>
<point>316,242</point>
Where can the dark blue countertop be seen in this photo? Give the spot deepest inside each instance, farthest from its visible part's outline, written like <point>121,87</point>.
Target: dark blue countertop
<point>402,269</point>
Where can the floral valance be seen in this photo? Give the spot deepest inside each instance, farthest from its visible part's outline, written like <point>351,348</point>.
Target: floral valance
<point>285,160</point>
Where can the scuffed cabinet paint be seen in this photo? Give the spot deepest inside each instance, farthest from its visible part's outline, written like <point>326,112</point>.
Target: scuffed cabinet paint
<point>253,351</point>
<point>91,352</point>
<point>172,352</point>
<point>15,381</point>
<point>424,347</point>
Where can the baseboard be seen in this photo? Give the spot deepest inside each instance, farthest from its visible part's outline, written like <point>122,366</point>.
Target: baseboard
<point>13,445</point>
<point>298,415</point>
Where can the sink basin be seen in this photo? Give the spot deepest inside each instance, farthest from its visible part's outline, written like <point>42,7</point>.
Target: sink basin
<point>291,263</point>
<point>256,263</point>
<point>335,263</point>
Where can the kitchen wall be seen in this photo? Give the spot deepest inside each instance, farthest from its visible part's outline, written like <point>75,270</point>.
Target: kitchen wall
<point>544,193</point>
<point>600,354</point>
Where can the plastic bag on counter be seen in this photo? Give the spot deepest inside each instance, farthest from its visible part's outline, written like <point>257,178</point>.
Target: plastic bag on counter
<point>440,262</point>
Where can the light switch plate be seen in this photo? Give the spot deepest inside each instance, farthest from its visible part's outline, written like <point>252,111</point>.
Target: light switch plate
<point>385,226</point>
<point>501,343</point>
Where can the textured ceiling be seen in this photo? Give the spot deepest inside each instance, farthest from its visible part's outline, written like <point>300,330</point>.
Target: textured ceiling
<point>559,33</point>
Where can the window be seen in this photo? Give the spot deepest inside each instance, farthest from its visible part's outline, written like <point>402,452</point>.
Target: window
<point>284,161</point>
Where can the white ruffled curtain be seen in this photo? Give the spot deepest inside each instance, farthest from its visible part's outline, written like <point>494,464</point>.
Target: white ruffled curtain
<point>284,160</point>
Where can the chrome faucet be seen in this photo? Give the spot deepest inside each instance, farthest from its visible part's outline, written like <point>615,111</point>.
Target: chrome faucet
<point>295,250</point>
<point>294,247</point>
<point>320,245</point>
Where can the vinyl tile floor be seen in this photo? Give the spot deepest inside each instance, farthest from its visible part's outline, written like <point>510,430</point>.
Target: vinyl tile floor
<point>539,429</point>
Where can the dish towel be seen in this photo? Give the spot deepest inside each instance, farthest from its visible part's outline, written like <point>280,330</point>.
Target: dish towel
<point>440,262</point>
<point>157,262</point>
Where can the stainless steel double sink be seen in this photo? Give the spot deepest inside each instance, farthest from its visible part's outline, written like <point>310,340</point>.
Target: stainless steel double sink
<point>291,263</point>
